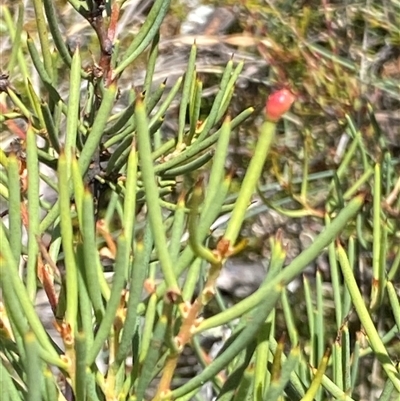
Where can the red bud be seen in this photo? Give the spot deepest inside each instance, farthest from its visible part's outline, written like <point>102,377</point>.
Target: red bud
<point>278,104</point>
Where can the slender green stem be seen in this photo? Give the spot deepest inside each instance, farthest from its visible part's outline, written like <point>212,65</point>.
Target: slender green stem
<point>337,363</point>
<point>315,386</point>
<point>130,196</point>
<point>178,227</point>
<point>43,36</point>
<point>378,270</point>
<point>120,119</point>
<point>253,173</point>
<point>138,276</point>
<point>157,117</point>
<point>237,385</point>
<point>35,57</point>
<point>195,240</point>
<point>319,316</point>
<point>152,356</point>
<point>195,107</point>
<point>19,104</point>
<point>151,66</point>
<point>218,167</point>
<point>197,146</point>
<point>212,116</point>
<point>33,212</point>
<point>91,257</point>
<point>80,367</point>
<point>50,386</point>
<point>310,318</point>
<point>365,318</point>
<point>10,279</point>
<point>187,85</point>
<point>193,165</point>
<point>33,368</point>
<point>305,181</point>
<point>37,118</point>
<point>8,385</point>
<point>192,280</point>
<point>261,361</point>
<point>357,185</point>
<point>67,237</point>
<point>346,357</point>
<point>85,310</point>
<point>78,188</point>
<point>255,319</point>
<point>277,387</point>
<point>147,331</point>
<point>73,108</point>
<point>154,97</point>
<point>97,131</point>
<point>289,319</point>
<point>55,32</point>
<point>16,44</point>
<point>387,392</point>
<point>15,311</point>
<point>334,269</point>
<point>394,302</point>
<point>10,24</point>
<point>50,126</point>
<point>290,271</point>
<point>151,188</point>
<point>334,390</point>
<point>229,91</point>
<point>14,205</point>
<point>146,34</point>
<point>355,363</point>
<point>113,302</point>
<point>186,257</point>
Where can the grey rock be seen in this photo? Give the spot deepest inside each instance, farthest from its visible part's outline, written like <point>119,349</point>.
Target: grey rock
<point>241,277</point>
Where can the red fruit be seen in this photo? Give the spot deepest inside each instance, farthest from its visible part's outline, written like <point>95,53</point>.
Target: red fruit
<point>278,103</point>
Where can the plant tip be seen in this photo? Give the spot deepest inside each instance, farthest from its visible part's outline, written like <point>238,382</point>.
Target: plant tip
<point>278,103</point>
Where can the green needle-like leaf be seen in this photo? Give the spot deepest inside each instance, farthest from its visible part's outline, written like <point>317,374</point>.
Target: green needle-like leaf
<point>97,130</point>
<point>187,85</point>
<point>33,212</point>
<point>14,205</point>
<point>146,34</point>
<point>73,108</point>
<point>34,377</point>
<point>253,173</point>
<point>151,189</point>
<point>369,327</point>
<point>55,32</point>
<point>43,37</point>
<point>114,301</point>
<point>68,243</point>
<point>91,256</point>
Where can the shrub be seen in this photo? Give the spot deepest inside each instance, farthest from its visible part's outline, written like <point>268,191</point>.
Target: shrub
<point>110,218</point>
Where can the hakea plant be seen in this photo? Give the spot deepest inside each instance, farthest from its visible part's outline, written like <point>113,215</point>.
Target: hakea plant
<point>101,144</point>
